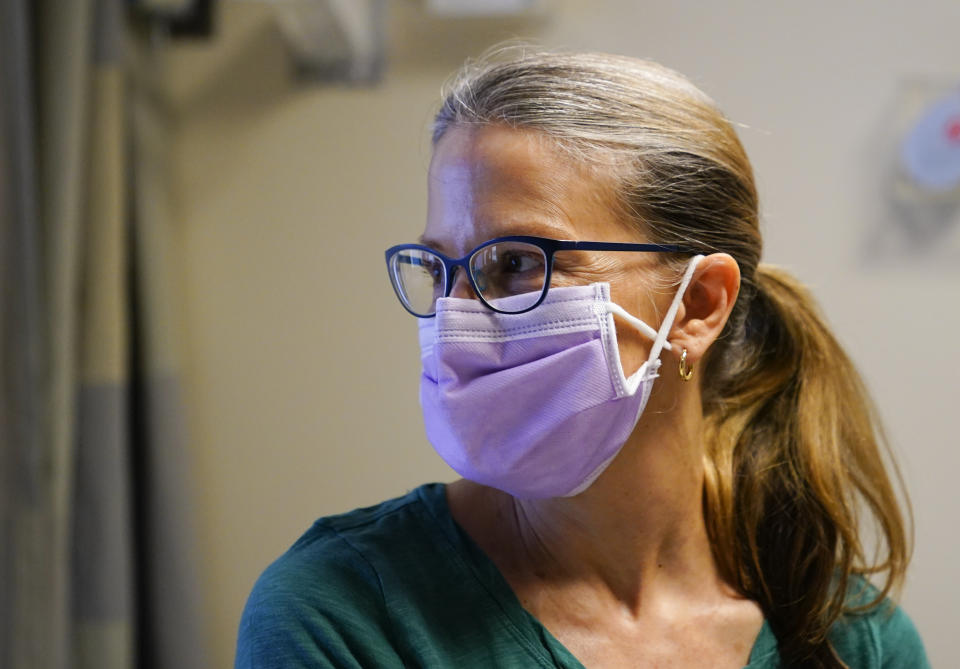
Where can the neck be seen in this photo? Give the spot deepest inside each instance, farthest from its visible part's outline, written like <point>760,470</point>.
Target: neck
<point>638,530</point>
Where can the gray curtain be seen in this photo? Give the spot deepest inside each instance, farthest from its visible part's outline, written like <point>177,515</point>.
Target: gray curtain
<point>97,558</point>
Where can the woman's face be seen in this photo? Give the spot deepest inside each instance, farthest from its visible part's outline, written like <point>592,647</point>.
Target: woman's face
<point>492,181</point>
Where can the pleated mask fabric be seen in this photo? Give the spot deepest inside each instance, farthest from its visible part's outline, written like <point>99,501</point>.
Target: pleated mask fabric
<point>534,404</point>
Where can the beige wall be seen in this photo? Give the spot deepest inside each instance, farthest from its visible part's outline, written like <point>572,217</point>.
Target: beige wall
<point>302,369</point>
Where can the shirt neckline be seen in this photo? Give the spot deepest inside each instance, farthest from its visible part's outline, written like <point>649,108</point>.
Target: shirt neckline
<point>434,497</point>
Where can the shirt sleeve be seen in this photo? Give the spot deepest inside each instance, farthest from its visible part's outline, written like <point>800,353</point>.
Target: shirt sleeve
<point>882,636</point>
<point>900,643</point>
<point>319,605</point>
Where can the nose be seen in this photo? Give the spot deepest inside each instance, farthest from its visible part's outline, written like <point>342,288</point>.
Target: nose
<point>461,285</point>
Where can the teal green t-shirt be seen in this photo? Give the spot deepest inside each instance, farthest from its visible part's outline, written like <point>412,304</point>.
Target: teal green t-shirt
<point>400,585</point>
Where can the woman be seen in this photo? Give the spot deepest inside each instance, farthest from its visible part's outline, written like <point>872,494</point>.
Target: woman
<point>665,452</point>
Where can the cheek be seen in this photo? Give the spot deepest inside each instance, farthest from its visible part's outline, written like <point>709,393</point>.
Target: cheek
<point>641,299</point>
<point>634,347</point>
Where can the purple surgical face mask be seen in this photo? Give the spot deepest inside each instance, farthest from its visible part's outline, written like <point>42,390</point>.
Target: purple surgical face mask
<point>534,404</point>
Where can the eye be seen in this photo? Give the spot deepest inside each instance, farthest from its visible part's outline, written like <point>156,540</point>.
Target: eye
<point>435,267</point>
<point>513,262</point>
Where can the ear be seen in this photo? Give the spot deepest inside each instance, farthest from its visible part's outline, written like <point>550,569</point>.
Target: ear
<point>706,306</point>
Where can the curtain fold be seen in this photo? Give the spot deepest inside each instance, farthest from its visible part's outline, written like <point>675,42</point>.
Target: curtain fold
<point>97,552</point>
<point>103,623</point>
<point>171,620</point>
<point>24,487</point>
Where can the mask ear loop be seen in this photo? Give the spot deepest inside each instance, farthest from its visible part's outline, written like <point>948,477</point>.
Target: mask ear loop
<point>614,308</point>
<point>661,340</point>
<point>652,365</point>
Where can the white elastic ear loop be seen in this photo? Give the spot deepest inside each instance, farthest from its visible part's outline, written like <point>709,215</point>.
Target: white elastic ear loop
<point>614,308</point>
<point>660,342</point>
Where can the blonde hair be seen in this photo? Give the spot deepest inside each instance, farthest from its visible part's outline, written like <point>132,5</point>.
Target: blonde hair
<point>794,453</point>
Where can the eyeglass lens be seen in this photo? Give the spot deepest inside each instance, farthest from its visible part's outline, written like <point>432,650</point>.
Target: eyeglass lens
<point>515,270</point>
<point>509,269</point>
<point>419,278</point>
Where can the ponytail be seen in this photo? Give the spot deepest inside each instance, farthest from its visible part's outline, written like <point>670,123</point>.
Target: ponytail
<point>793,458</point>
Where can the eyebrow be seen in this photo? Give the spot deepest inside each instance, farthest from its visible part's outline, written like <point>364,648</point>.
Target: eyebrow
<point>526,228</point>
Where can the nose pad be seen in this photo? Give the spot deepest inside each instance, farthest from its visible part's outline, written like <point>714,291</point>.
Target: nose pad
<point>461,286</point>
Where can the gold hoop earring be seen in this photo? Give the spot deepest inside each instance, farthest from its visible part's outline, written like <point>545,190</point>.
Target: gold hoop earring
<point>686,372</point>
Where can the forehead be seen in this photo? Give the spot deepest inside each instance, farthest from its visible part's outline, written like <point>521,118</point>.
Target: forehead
<point>489,152</point>
<point>490,181</point>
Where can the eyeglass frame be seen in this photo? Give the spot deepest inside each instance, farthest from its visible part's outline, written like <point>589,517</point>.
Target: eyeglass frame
<point>548,246</point>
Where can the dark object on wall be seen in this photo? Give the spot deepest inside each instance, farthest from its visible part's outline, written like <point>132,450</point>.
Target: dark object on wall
<point>334,40</point>
<point>177,18</point>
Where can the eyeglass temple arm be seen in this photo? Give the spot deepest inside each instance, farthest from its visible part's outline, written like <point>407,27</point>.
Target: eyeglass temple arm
<point>620,246</point>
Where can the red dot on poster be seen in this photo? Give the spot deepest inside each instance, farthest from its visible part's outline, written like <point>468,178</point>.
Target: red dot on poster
<point>953,130</point>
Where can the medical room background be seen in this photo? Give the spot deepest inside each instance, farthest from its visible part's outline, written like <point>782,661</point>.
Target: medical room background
<point>271,151</point>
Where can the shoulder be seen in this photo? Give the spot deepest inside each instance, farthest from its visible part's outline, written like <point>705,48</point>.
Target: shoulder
<point>322,602</point>
<point>882,636</point>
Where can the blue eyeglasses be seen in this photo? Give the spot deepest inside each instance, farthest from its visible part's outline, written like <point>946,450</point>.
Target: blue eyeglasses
<point>517,267</point>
